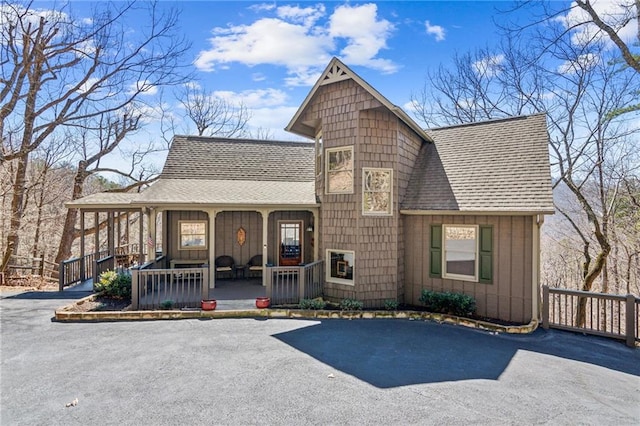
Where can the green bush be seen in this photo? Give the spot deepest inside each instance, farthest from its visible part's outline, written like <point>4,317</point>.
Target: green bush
<point>390,305</point>
<point>448,303</point>
<point>167,304</point>
<point>351,305</point>
<point>112,284</point>
<point>314,304</point>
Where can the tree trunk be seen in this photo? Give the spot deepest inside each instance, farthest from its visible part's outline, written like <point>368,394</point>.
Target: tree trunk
<point>68,232</point>
<point>17,205</point>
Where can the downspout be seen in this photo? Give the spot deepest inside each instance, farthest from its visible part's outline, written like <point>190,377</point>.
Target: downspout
<point>538,221</point>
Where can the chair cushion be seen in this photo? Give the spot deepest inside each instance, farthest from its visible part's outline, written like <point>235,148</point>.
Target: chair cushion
<point>255,268</point>
<point>223,268</point>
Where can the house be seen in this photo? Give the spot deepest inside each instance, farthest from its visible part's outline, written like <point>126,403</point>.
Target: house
<point>388,208</point>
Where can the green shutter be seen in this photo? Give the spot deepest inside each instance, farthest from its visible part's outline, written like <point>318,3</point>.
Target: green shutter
<point>435,251</point>
<point>486,254</point>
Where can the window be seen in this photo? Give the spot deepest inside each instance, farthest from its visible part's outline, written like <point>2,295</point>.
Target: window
<point>339,166</point>
<point>193,235</point>
<point>318,154</point>
<point>340,266</point>
<point>461,252</point>
<point>376,191</point>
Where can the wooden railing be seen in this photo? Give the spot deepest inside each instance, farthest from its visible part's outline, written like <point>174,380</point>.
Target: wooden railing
<point>607,315</point>
<point>78,269</point>
<point>291,284</point>
<point>103,265</point>
<point>24,265</point>
<point>176,288</point>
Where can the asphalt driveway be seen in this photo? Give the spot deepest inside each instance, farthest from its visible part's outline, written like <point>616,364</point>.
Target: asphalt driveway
<point>283,371</point>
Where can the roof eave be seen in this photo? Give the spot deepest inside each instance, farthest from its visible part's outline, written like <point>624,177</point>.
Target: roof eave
<point>531,212</point>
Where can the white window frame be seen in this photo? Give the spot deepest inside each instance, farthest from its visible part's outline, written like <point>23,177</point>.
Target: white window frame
<point>327,155</point>
<point>337,280</point>
<point>389,211</point>
<point>476,253</point>
<point>204,235</point>
<point>319,152</point>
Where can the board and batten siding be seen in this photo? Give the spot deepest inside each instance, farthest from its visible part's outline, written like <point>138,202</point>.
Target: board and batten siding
<point>227,225</point>
<point>173,229</point>
<point>509,296</point>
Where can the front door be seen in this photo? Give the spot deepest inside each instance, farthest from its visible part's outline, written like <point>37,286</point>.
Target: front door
<point>290,243</point>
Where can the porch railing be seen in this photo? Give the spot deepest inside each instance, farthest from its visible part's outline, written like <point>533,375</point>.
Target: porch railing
<point>78,269</point>
<point>291,284</point>
<point>168,288</point>
<point>607,315</point>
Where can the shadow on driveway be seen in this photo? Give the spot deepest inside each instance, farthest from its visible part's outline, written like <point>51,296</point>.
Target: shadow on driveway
<point>390,353</point>
<point>48,295</point>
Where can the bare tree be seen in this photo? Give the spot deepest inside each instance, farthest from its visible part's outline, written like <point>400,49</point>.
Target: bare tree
<point>213,115</point>
<point>583,93</point>
<point>60,70</point>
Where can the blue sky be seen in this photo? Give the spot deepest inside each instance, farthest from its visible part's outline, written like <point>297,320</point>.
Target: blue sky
<point>269,54</point>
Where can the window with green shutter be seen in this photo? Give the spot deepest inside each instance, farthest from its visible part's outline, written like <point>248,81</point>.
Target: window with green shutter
<point>486,254</point>
<point>461,252</point>
<point>435,252</point>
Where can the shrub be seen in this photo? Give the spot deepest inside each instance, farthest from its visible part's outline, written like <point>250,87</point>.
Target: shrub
<point>448,303</point>
<point>167,304</point>
<point>314,304</point>
<point>390,305</point>
<point>351,305</point>
<point>112,284</point>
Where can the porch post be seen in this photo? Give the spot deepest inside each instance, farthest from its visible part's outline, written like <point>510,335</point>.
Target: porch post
<point>212,246</point>
<point>316,232</point>
<point>110,237</point>
<point>96,236</point>
<point>83,269</point>
<point>152,233</point>
<point>265,245</point>
<point>141,237</point>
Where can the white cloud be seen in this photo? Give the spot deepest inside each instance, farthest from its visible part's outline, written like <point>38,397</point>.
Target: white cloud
<point>435,30</point>
<point>252,99</point>
<point>584,61</point>
<point>366,35</point>
<point>613,13</point>
<point>489,66</point>
<point>297,40</point>
<point>87,85</point>
<point>144,87</point>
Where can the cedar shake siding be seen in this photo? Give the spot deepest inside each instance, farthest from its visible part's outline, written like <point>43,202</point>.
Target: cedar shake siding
<point>509,296</point>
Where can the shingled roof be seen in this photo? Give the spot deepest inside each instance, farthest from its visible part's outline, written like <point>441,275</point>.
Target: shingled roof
<point>491,166</point>
<point>221,171</point>
<point>196,157</point>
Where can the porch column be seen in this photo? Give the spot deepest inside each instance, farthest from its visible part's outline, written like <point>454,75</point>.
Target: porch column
<point>152,233</point>
<point>83,270</point>
<point>265,239</point>
<point>110,237</point>
<point>141,237</point>
<point>316,233</point>
<point>212,246</point>
<point>96,236</point>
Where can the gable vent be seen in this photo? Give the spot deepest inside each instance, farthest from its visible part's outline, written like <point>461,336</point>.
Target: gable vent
<point>334,74</point>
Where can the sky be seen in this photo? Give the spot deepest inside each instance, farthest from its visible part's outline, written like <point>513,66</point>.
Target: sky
<point>269,54</point>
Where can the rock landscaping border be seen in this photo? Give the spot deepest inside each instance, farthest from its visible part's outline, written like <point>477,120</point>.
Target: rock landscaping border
<point>67,315</point>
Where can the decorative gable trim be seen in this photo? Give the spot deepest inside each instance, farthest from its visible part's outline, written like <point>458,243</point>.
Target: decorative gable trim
<point>334,74</point>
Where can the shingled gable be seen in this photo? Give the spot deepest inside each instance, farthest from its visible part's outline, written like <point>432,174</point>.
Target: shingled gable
<point>487,167</point>
<point>337,71</point>
<point>208,170</point>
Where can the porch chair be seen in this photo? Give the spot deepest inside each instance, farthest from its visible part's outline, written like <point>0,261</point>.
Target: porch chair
<point>255,266</point>
<point>225,267</point>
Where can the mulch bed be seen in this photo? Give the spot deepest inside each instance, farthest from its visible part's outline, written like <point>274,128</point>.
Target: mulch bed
<point>99,303</point>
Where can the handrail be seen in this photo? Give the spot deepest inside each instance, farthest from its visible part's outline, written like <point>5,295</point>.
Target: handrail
<point>608,315</point>
<point>291,284</point>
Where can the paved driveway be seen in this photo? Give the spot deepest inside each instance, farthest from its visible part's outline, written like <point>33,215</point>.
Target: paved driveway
<point>245,371</point>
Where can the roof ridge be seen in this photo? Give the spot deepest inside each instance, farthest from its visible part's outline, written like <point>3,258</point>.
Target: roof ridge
<point>493,120</point>
<point>240,140</point>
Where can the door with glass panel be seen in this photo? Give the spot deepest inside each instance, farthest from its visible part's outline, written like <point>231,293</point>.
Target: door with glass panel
<point>290,243</point>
